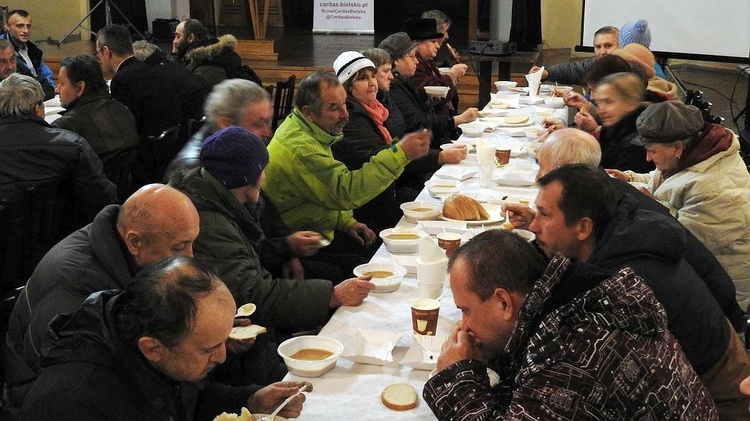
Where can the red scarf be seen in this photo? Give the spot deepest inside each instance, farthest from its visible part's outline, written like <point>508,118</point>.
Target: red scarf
<point>379,113</point>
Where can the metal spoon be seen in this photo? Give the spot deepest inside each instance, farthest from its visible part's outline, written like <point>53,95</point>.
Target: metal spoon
<point>272,417</point>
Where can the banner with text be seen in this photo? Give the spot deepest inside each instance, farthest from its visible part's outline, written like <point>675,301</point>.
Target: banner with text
<point>357,17</point>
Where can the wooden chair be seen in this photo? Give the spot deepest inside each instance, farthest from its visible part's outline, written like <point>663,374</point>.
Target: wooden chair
<point>154,155</point>
<point>119,170</point>
<point>282,104</point>
<point>34,216</point>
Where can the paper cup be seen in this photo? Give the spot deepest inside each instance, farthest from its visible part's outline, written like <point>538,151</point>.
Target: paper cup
<point>424,316</point>
<point>432,273</point>
<point>449,241</point>
<point>502,154</point>
<point>425,290</point>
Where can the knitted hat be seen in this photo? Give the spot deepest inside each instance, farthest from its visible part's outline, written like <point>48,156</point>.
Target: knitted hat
<point>397,45</point>
<point>234,156</point>
<point>638,54</point>
<point>635,32</point>
<point>348,63</point>
<point>422,29</point>
<point>667,122</point>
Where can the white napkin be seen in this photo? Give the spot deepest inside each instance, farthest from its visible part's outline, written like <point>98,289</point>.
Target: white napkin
<point>424,352</point>
<point>456,172</point>
<point>534,79</point>
<point>429,252</point>
<point>372,346</point>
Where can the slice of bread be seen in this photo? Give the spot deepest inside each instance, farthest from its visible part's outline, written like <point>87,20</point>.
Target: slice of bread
<point>246,333</point>
<point>399,397</point>
<point>516,119</point>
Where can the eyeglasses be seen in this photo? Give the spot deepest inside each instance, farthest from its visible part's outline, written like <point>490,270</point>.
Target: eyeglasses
<point>96,54</point>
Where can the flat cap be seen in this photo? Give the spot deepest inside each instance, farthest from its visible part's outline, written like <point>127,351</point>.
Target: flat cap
<point>667,122</point>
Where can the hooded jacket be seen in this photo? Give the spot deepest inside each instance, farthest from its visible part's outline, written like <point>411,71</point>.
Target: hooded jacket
<point>313,190</point>
<point>583,348</point>
<point>103,121</point>
<point>89,260</point>
<point>712,200</point>
<point>210,59</point>
<point>90,374</point>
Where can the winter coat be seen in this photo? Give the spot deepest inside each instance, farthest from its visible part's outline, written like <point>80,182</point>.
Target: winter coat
<point>191,90</point>
<point>617,151</point>
<point>215,59</point>
<point>313,190</point>
<point>395,122</point>
<point>569,73</point>
<point>703,262</point>
<point>583,348</point>
<point>43,73</point>
<point>89,260</point>
<point>228,242</point>
<point>417,115</point>
<point>90,374</point>
<point>712,200</point>
<point>653,245</point>
<point>33,152</point>
<point>103,121</point>
<point>427,74</point>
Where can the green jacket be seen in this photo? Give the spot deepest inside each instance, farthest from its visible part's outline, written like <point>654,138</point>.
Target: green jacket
<point>314,191</point>
<point>228,243</point>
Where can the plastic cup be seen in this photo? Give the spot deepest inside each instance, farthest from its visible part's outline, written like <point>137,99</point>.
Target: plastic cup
<point>424,316</point>
<point>429,290</point>
<point>485,176</point>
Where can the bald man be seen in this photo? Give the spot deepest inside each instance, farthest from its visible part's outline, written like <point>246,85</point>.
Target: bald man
<point>156,222</point>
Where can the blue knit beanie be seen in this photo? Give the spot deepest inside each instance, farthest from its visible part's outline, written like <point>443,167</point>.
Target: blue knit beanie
<point>234,156</point>
<point>635,32</point>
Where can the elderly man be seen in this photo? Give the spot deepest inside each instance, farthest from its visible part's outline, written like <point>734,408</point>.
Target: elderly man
<point>213,59</point>
<point>18,32</point>
<point>573,219</point>
<point>9,65</point>
<point>226,190</point>
<point>314,191</point>
<point>568,342</point>
<point>143,353</point>
<point>571,73</point>
<point>157,221</point>
<point>572,146</point>
<point>105,122</point>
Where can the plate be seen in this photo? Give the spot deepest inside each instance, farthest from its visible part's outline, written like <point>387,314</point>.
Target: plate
<point>469,147</point>
<point>509,181</point>
<point>496,216</point>
<point>504,124</point>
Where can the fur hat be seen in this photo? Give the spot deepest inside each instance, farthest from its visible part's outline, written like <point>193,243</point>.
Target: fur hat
<point>348,63</point>
<point>422,29</point>
<point>234,156</point>
<point>667,122</point>
<point>397,45</point>
<point>635,32</point>
<point>639,54</point>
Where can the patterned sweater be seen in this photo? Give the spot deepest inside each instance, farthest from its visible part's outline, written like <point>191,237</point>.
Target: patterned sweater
<point>581,350</point>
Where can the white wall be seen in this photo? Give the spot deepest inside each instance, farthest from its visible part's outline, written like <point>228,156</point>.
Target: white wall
<point>166,9</point>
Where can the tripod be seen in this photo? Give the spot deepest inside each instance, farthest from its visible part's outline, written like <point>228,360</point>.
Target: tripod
<point>107,19</point>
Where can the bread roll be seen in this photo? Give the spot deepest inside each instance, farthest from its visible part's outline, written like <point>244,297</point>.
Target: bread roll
<point>464,208</point>
<point>399,397</point>
<point>245,415</point>
<point>246,333</point>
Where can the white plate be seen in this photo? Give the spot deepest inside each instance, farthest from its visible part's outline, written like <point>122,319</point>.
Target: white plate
<point>502,123</point>
<point>445,146</point>
<point>496,216</point>
<point>497,112</point>
<point>509,181</point>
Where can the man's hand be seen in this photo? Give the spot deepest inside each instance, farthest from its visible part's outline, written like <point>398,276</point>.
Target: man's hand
<point>416,144</point>
<point>362,234</point>
<point>460,345</point>
<point>585,121</point>
<point>453,155</point>
<point>237,347</point>
<point>553,124</point>
<point>520,215</point>
<point>617,174</point>
<point>265,400</point>
<point>351,292</point>
<point>545,73</point>
<point>304,243</point>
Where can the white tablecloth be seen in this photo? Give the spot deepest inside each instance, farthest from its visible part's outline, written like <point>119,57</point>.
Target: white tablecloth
<point>351,391</point>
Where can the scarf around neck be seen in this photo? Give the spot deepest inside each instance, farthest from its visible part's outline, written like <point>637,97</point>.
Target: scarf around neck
<point>379,113</point>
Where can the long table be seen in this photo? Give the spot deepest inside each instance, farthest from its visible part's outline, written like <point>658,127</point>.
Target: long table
<point>352,390</point>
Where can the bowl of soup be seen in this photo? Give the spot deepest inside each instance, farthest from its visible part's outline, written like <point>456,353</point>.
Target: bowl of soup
<point>386,276</point>
<point>402,240</point>
<point>443,187</point>
<point>421,211</point>
<point>437,91</point>
<point>310,356</point>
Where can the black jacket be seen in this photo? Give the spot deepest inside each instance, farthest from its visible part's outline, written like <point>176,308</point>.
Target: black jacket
<point>215,60</point>
<point>191,89</point>
<point>417,115</point>
<point>103,121</point>
<point>654,245</point>
<point>89,260</point>
<point>618,152</point>
<point>90,374</point>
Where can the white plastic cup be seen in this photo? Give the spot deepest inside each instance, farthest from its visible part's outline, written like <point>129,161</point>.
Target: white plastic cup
<point>485,176</point>
<point>427,290</point>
